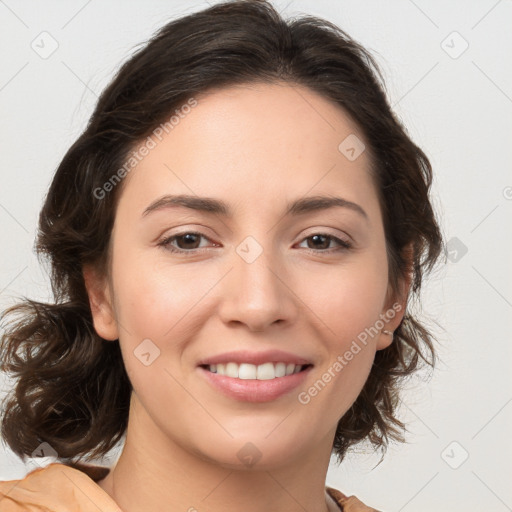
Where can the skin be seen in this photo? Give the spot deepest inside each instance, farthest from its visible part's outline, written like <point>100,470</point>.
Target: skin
<point>257,147</point>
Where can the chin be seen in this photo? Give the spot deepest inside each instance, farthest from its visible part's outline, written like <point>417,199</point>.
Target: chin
<point>253,454</point>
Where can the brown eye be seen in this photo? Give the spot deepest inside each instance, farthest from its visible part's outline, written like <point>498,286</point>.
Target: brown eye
<point>185,242</point>
<point>319,242</point>
<point>188,240</point>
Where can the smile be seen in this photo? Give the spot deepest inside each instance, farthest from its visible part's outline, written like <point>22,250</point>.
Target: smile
<point>246,386</point>
<point>247,371</point>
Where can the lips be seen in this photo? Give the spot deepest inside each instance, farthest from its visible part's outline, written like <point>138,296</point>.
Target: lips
<point>251,376</point>
<point>255,358</point>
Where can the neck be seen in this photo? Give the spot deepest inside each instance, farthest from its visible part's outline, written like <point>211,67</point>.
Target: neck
<point>155,472</point>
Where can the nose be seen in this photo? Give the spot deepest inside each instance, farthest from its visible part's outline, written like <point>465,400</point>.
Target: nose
<point>257,294</point>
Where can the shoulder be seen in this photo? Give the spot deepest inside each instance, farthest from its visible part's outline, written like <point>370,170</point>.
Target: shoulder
<point>57,487</point>
<point>348,503</point>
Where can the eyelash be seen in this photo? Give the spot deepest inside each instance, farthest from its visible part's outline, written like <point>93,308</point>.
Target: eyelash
<point>165,243</point>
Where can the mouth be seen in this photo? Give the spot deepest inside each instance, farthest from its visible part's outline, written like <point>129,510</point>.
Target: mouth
<point>246,382</point>
<point>248,371</point>
<point>255,376</point>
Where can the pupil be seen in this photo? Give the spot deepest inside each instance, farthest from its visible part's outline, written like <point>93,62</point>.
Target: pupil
<point>317,237</point>
<point>189,238</point>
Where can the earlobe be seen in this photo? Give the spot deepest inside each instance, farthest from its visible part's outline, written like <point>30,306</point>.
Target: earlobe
<point>396,306</point>
<point>385,339</point>
<point>101,304</point>
<point>391,316</point>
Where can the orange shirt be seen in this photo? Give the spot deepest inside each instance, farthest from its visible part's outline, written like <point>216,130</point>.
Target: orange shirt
<point>61,488</point>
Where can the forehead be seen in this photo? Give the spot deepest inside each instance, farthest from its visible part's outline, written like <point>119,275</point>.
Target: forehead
<point>253,141</point>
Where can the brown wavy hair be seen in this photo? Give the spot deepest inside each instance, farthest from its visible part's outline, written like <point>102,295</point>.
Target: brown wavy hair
<point>72,390</point>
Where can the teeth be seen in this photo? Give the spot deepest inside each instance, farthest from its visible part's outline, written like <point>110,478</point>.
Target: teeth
<point>280,369</point>
<point>245,371</point>
<point>231,370</point>
<point>265,371</point>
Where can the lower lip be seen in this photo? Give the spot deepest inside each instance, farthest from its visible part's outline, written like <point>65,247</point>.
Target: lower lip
<point>254,390</point>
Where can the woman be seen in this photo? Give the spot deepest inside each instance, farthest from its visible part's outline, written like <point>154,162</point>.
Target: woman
<point>237,366</point>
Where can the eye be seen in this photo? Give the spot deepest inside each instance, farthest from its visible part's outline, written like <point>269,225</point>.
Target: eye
<point>188,240</point>
<point>321,242</point>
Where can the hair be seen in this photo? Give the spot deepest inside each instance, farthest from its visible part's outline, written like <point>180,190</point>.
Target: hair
<point>72,390</point>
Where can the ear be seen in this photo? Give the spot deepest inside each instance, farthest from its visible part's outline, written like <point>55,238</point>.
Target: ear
<point>100,301</point>
<point>394,309</point>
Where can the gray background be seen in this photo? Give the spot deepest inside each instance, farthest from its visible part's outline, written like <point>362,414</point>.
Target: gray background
<point>456,102</point>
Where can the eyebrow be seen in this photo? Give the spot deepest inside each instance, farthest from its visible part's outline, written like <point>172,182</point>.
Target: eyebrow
<point>218,207</point>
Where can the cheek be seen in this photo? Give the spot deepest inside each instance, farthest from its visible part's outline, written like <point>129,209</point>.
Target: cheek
<point>349,301</point>
<point>153,305</point>
<point>350,345</point>
<point>154,299</point>
<point>347,298</point>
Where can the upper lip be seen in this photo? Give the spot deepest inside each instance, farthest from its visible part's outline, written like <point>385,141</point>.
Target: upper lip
<point>256,358</point>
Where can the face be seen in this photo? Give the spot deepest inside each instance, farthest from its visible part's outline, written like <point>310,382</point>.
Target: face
<point>304,290</point>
